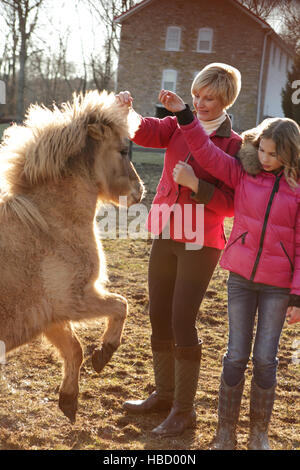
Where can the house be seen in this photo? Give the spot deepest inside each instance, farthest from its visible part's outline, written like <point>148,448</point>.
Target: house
<point>164,43</point>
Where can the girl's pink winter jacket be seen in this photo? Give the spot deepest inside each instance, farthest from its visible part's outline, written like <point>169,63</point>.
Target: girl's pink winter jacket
<point>264,245</point>
<point>165,133</point>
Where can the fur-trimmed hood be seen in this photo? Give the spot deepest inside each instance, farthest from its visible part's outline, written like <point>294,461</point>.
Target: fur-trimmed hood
<point>248,153</point>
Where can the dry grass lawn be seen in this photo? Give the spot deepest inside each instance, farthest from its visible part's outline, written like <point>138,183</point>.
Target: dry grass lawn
<point>29,415</point>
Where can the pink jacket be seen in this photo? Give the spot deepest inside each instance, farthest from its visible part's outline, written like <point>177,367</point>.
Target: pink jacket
<point>165,133</point>
<point>264,245</point>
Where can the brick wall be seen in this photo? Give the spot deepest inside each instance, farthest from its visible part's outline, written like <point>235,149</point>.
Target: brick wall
<point>238,40</point>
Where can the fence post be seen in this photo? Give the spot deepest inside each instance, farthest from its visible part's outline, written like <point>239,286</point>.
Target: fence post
<point>2,92</point>
<point>130,150</point>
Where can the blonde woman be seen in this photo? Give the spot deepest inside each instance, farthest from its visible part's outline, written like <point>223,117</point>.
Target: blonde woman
<point>178,275</point>
<point>262,255</point>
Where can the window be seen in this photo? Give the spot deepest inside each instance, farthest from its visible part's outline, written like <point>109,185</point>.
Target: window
<point>205,37</point>
<point>173,38</point>
<point>169,79</point>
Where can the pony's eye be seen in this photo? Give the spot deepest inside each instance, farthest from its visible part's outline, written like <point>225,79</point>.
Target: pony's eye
<point>124,152</point>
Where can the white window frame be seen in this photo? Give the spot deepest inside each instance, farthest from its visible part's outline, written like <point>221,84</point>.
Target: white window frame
<point>164,80</point>
<point>176,43</point>
<point>210,34</point>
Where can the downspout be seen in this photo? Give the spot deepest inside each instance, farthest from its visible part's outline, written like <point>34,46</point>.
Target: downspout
<point>261,74</point>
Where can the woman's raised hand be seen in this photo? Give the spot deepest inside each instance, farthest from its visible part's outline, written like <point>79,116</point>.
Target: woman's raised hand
<point>124,98</point>
<point>171,101</point>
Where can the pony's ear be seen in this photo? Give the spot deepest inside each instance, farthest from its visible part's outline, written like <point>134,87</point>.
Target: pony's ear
<point>94,131</point>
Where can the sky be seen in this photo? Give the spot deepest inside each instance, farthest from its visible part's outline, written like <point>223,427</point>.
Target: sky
<point>75,17</point>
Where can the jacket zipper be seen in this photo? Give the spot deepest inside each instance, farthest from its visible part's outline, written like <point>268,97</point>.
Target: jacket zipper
<point>287,255</point>
<point>263,233</point>
<point>243,237</point>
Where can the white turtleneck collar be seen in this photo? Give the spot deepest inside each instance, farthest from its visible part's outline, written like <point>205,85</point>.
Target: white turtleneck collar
<point>211,126</point>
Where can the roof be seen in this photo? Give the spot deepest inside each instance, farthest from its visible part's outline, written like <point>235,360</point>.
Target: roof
<point>131,11</point>
<point>144,3</point>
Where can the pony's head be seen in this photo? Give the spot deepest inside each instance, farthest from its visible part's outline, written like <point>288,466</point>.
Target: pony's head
<point>86,137</point>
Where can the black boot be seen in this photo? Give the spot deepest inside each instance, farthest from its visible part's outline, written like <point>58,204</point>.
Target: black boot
<point>261,407</point>
<point>228,414</point>
<point>182,415</point>
<point>162,398</point>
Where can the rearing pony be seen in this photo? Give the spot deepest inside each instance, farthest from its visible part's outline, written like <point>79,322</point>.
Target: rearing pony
<point>54,171</point>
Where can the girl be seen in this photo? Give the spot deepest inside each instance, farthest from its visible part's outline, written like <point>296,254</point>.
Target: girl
<point>262,255</point>
<point>178,275</point>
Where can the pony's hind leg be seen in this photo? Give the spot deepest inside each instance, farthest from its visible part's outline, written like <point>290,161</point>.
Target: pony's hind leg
<point>62,336</point>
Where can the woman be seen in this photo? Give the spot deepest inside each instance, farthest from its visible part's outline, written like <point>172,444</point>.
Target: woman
<point>262,256</point>
<point>186,248</point>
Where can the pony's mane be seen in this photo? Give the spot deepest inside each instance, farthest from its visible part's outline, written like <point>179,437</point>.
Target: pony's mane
<point>47,143</point>
<point>39,150</point>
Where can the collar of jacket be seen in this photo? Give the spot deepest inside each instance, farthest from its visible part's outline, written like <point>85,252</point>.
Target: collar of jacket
<point>248,153</point>
<point>224,130</point>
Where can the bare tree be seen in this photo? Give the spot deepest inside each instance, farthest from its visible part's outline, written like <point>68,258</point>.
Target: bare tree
<point>290,31</point>
<point>8,59</point>
<point>26,13</point>
<point>102,65</point>
<point>50,74</point>
<point>263,8</point>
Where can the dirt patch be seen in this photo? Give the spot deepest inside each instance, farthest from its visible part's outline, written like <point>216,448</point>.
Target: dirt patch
<point>29,415</point>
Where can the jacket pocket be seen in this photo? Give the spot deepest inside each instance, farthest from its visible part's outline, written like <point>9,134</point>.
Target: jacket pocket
<point>242,236</point>
<point>287,255</point>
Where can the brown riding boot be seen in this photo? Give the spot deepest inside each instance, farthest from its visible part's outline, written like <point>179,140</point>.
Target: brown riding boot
<point>228,414</point>
<point>182,415</point>
<point>162,398</point>
<point>261,407</point>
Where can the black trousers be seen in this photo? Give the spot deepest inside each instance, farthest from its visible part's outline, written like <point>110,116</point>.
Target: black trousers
<point>177,280</point>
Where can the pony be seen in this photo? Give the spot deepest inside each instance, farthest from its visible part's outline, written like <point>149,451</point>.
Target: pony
<point>55,170</point>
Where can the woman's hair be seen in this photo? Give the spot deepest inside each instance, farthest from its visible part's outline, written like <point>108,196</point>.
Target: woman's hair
<point>285,133</point>
<point>223,80</point>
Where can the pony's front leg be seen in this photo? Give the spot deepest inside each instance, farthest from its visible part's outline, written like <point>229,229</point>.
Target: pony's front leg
<point>64,339</point>
<point>114,307</point>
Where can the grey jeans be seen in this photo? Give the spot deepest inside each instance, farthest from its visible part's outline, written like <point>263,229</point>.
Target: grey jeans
<point>245,298</point>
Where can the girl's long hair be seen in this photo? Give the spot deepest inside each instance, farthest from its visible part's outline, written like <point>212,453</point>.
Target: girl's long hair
<point>286,135</point>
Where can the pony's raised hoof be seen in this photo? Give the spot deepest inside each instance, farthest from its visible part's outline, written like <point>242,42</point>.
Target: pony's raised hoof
<point>68,405</point>
<point>101,357</point>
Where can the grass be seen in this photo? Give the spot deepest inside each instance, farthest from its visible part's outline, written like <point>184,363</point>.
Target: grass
<point>2,129</point>
<point>148,158</point>
<point>29,415</point>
